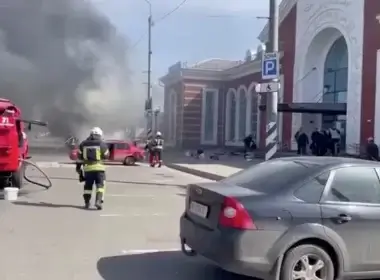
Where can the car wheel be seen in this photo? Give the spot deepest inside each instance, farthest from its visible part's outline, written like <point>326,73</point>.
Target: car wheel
<point>307,262</point>
<point>129,161</point>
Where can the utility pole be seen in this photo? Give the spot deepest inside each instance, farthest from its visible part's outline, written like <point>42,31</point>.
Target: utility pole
<point>148,104</point>
<point>272,97</point>
<point>150,57</point>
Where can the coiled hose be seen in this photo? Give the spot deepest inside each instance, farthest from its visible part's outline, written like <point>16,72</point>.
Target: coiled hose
<point>28,162</point>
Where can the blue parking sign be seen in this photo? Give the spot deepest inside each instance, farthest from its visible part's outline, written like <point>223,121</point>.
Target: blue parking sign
<point>270,66</point>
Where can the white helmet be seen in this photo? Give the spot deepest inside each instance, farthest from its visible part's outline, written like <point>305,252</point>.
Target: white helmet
<point>158,133</point>
<point>97,131</point>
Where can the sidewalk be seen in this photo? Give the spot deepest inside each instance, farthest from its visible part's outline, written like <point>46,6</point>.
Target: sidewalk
<point>208,168</point>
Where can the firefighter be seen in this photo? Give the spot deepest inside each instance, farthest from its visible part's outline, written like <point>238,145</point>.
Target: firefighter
<point>158,146</point>
<point>91,154</point>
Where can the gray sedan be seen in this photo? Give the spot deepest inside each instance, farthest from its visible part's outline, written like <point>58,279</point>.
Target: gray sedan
<point>306,218</point>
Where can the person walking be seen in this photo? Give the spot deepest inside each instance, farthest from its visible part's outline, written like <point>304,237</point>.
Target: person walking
<point>91,154</point>
<point>302,142</point>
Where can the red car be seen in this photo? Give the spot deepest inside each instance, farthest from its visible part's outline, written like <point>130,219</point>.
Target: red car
<point>120,151</point>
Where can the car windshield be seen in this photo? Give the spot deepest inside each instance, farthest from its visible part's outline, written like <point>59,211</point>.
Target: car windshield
<point>268,177</point>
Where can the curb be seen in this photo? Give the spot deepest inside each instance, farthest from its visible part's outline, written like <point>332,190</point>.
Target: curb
<point>195,172</point>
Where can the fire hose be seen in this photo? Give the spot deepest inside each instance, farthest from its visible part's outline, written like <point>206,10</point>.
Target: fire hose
<point>30,163</point>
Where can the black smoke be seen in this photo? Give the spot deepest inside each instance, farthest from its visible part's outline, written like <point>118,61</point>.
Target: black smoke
<point>63,62</point>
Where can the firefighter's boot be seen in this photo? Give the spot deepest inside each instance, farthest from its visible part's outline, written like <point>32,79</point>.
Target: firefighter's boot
<point>99,201</point>
<point>87,199</point>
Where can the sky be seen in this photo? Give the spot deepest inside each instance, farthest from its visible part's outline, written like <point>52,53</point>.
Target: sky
<point>198,30</point>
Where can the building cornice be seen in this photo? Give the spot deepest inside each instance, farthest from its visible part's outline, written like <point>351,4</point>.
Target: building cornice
<point>243,70</point>
<point>237,72</point>
<point>285,8</point>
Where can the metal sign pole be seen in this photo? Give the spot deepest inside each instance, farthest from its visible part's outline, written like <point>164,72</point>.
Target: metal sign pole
<point>272,97</point>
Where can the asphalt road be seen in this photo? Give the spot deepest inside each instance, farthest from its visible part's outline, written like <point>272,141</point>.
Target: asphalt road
<point>47,234</point>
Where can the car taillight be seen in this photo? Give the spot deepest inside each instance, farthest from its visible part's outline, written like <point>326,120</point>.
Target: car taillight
<point>234,215</point>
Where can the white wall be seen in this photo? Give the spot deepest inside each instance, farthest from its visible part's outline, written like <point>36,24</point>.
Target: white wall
<point>319,24</point>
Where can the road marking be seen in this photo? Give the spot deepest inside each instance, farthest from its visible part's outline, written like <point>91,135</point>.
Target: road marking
<point>111,215</point>
<point>135,215</point>
<point>129,195</point>
<point>47,164</point>
<point>53,164</point>
<point>149,251</point>
<point>148,196</point>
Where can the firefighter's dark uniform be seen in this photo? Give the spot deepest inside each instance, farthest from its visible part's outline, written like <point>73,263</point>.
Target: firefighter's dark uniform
<point>91,154</point>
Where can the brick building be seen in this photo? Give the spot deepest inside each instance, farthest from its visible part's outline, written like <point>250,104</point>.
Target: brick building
<point>330,64</point>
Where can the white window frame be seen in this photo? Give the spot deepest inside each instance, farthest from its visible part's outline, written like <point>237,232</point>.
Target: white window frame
<point>251,92</point>
<point>214,141</point>
<point>237,142</point>
<point>230,142</point>
<point>248,124</point>
<point>258,121</point>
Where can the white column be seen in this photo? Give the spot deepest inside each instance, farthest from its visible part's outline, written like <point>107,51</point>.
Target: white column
<point>377,100</point>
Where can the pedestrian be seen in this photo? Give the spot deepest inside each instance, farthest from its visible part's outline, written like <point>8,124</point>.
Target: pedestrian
<point>315,145</point>
<point>335,140</point>
<point>247,143</point>
<point>302,142</point>
<point>324,143</point>
<point>372,150</point>
<point>91,154</point>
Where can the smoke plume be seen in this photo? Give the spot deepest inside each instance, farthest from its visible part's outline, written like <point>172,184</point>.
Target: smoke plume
<point>63,62</point>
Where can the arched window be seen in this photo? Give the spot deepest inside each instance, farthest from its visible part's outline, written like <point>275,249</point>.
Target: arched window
<point>254,114</point>
<point>238,116</point>
<point>336,83</point>
<point>336,72</point>
<point>242,113</point>
<point>231,111</point>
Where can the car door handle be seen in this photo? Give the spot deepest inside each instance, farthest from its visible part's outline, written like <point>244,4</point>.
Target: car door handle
<point>343,218</point>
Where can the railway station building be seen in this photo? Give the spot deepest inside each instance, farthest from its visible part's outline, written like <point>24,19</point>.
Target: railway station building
<point>330,75</point>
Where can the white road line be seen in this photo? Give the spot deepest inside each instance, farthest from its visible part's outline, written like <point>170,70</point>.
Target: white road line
<point>148,251</point>
<point>111,215</point>
<point>135,215</point>
<point>51,164</point>
<point>129,195</point>
<point>148,196</point>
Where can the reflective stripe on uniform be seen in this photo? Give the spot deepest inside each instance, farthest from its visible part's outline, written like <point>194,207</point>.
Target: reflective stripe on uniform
<point>87,192</point>
<point>102,190</point>
<point>99,166</point>
<point>106,153</point>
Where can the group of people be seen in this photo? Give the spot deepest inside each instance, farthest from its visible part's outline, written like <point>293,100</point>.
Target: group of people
<point>324,142</point>
<point>321,142</point>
